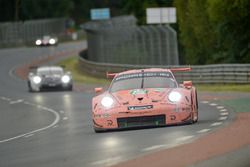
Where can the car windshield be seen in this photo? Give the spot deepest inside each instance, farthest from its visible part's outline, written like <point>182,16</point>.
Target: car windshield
<point>50,71</point>
<point>143,80</point>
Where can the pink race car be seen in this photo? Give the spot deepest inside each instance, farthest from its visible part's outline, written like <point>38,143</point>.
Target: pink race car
<point>144,98</point>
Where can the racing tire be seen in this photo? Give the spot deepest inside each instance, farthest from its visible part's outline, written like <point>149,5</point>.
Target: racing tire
<point>197,107</point>
<point>30,88</point>
<point>97,130</point>
<point>70,88</point>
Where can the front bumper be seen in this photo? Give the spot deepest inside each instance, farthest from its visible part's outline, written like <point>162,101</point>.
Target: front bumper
<point>159,115</point>
<point>55,85</point>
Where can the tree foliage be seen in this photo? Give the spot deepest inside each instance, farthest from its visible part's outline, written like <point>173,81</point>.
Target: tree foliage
<point>138,7</point>
<point>209,31</point>
<point>214,31</point>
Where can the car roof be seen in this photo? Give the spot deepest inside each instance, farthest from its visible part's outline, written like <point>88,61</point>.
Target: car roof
<point>50,68</point>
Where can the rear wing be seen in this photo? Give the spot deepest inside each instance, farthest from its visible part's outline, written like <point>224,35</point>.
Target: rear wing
<point>110,75</point>
<point>180,69</point>
<point>33,67</point>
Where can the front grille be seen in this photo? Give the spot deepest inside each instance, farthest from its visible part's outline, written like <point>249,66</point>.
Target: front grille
<point>54,81</point>
<point>127,122</point>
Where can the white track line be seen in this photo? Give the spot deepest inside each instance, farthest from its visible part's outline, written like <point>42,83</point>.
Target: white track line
<point>222,118</point>
<point>57,119</point>
<point>216,124</point>
<point>12,73</point>
<point>5,98</point>
<point>220,107</point>
<point>108,161</point>
<point>155,147</point>
<point>16,101</point>
<point>203,130</point>
<point>213,104</point>
<point>224,113</point>
<point>29,135</point>
<point>184,138</point>
<point>223,110</point>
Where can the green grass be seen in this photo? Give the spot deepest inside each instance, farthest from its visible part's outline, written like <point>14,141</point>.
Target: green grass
<point>71,64</point>
<point>224,87</point>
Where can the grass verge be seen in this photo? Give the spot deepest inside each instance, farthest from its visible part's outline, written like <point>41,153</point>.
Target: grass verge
<point>224,87</point>
<point>72,65</point>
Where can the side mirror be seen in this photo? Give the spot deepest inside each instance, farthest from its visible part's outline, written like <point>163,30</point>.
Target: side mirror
<point>68,72</point>
<point>98,90</point>
<point>31,74</point>
<point>33,67</point>
<point>187,84</point>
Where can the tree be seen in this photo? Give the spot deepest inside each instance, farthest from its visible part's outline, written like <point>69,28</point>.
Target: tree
<point>138,7</point>
<point>196,33</point>
<point>7,9</point>
<point>30,9</point>
<point>231,20</point>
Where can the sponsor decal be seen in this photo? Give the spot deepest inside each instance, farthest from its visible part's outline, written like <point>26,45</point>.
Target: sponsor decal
<point>138,92</point>
<point>143,74</point>
<point>187,109</point>
<point>110,122</point>
<point>159,89</point>
<point>106,115</point>
<point>96,124</point>
<point>172,117</point>
<point>140,107</point>
<point>186,98</point>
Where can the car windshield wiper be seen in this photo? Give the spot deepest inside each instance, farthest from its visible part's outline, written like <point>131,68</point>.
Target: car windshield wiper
<point>142,81</point>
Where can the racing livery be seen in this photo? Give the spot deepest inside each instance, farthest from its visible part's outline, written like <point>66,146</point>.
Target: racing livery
<point>45,77</point>
<point>146,97</point>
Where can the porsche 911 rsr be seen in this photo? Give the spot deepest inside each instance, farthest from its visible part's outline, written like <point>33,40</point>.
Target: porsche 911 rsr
<point>49,77</point>
<point>141,98</point>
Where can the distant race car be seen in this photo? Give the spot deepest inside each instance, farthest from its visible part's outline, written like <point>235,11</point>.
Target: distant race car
<point>45,77</point>
<point>141,98</point>
<point>46,41</point>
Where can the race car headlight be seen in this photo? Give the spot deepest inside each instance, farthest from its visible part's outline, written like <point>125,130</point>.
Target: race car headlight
<point>107,101</point>
<point>174,96</point>
<point>38,42</point>
<point>37,79</point>
<point>52,41</point>
<point>65,79</point>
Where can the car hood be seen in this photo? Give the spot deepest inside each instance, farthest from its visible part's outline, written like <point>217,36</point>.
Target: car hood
<point>140,96</point>
<point>52,76</point>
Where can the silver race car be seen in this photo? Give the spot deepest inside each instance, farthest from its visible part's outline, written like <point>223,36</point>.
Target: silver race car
<point>46,41</point>
<point>49,77</point>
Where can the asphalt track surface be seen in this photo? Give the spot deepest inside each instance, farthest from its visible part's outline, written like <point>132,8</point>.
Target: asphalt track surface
<point>54,129</point>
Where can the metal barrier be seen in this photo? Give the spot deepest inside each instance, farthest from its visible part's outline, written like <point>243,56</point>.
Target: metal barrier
<point>207,74</point>
<point>120,40</point>
<point>12,33</point>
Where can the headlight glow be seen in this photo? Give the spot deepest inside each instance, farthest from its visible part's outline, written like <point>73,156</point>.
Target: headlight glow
<point>37,79</point>
<point>65,79</point>
<point>38,42</point>
<point>52,41</point>
<point>107,101</point>
<point>174,96</point>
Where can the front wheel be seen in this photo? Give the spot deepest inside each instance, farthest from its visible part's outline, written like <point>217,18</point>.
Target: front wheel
<point>29,87</point>
<point>97,130</point>
<point>70,88</point>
